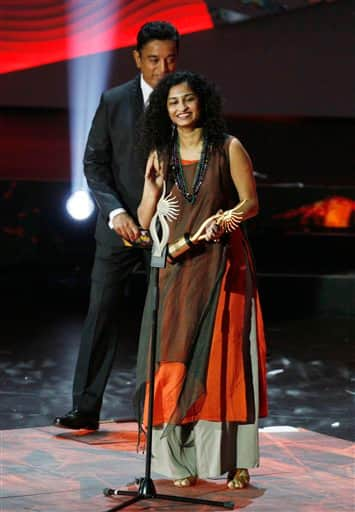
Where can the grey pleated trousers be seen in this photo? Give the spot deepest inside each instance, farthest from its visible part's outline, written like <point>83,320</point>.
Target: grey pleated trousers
<point>209,448</point>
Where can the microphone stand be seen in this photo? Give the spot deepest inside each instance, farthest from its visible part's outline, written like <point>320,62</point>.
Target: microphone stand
<point>146,489</point>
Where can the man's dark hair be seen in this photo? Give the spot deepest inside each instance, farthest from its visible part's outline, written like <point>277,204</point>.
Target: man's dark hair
<point>162,30</point>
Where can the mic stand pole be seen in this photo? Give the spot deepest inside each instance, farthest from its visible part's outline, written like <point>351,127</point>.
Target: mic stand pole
<point>146,490</point>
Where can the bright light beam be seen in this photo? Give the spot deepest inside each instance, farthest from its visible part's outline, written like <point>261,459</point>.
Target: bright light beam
<point>87,78</point>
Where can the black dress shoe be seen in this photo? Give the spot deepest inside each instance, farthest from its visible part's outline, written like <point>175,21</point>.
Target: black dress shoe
<point>77,420</point>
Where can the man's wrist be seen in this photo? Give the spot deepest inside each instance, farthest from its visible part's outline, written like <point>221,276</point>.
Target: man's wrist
<point>113,214</point>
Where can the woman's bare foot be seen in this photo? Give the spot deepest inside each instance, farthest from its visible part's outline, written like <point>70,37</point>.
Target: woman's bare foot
<point>185,482</point>
<point>238,479</point>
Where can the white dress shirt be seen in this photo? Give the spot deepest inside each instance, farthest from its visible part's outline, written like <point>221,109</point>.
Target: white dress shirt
<point>146,91</point>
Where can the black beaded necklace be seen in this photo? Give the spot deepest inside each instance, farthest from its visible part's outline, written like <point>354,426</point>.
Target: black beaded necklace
<point>178,171</point>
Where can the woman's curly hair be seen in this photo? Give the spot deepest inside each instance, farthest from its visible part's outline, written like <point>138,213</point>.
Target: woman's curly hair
<point>157,132</point>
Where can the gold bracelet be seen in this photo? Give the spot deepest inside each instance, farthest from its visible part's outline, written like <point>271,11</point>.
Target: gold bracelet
<point>179,247</point>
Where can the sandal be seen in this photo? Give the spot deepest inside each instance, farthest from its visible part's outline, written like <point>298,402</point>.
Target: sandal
<point>238,479</point>
<point>185,482</point>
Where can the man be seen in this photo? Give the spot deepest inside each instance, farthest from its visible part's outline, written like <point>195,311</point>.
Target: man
<point>115,175</point>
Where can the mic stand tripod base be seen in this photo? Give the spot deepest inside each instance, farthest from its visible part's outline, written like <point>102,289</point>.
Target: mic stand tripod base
<point>147,491</point>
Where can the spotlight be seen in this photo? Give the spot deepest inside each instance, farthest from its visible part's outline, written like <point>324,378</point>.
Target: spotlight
<point>80,205</point>
<point>87,78</point>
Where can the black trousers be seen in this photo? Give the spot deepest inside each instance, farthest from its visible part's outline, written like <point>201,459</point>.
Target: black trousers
<point>111,270</point>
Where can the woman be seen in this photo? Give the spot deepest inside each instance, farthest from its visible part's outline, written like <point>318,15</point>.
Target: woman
<point>210,366</point>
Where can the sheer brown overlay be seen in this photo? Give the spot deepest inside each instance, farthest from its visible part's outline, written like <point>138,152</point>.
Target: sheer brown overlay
<point>190,293</point>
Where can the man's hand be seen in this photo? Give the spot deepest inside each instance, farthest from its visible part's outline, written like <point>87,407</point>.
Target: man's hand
<point>125,226</point>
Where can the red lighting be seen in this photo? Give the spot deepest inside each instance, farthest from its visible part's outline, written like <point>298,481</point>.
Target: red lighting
<point>38,32</point>
<point>333,212</point>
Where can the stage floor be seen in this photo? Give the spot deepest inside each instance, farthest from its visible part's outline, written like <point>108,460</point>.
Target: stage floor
<point>47,469</point>
<point>310,379</point>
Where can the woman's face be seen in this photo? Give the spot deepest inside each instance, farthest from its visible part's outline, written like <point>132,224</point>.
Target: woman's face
<point>183,106</point>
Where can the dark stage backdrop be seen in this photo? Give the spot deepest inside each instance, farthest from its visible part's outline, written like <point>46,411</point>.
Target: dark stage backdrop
<point>287,77</point>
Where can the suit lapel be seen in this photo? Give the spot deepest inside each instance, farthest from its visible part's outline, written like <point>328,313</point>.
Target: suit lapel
<point>137,106</point>
<point>137,98</point>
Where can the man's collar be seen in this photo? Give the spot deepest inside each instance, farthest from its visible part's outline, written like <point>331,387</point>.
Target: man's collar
<point>146,90</point>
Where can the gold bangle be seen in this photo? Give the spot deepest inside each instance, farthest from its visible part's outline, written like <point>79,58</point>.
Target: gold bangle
<point>169,256</point>
<point>179,247</point>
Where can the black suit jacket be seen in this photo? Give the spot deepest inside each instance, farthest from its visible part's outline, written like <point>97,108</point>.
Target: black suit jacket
<point>113,165</point>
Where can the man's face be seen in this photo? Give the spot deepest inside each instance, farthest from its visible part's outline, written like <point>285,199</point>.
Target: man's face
<point>156,60</point>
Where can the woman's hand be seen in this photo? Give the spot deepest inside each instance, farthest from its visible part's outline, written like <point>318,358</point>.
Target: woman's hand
<point>153,187</point>
<point>209,230</point>
<point>154,174</point>
<point>213,228</point>
<point>213,231</point>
